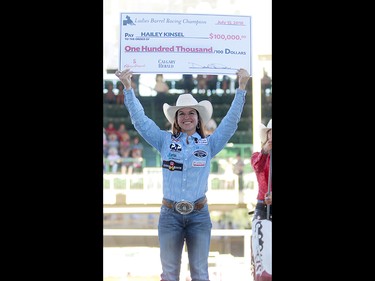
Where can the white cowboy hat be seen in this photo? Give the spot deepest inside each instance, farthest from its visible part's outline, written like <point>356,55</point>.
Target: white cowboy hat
<point>263,131</point>
<point>187,100</point>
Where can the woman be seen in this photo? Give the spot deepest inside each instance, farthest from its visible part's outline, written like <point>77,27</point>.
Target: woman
<point>262,220</point>
<point>186,152</point>
<point>260,161</point>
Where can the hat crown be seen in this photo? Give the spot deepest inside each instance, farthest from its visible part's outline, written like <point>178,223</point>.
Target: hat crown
<point>186,100</point>
<point>269,125</point>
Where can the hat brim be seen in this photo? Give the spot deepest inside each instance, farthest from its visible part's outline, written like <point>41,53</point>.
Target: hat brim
<point>204,108</point>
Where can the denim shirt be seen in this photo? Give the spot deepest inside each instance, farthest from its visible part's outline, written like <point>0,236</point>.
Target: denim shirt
<point>185,165</point>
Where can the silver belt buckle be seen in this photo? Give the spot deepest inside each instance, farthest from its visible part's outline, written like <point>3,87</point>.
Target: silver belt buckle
<point>184,207</point>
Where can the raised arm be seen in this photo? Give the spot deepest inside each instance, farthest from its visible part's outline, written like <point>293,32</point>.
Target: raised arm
<point>125,78</point>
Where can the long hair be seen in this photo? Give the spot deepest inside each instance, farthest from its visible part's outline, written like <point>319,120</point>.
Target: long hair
<point>176,129</point>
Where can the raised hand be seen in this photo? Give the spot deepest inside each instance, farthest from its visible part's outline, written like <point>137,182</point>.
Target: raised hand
<point>243,77</point>
<point>125,77</point>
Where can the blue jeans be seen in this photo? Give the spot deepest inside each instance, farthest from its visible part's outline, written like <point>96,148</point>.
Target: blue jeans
<point>173,230</point>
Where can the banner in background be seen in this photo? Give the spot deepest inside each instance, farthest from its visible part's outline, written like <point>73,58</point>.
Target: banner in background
<point>185,43</point>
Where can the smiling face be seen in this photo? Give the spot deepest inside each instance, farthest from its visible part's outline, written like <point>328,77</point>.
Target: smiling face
<point>187,119</point>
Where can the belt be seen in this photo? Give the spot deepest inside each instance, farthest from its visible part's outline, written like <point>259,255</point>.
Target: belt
<point>261,201</point>
<point>185,207</point>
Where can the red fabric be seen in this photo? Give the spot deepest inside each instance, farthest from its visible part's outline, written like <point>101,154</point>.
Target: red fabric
<point>110,129</point>
<point>263,278</point>
<point>261,165</point>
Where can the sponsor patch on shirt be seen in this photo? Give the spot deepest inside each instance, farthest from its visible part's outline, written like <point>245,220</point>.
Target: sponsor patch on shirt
<point>172,166</point>
<point>199,163</point>
<point>201,141</point>
<point>174,156</point>
<point>176,137</point>
<point>175,147</point>
<point>200,153</point>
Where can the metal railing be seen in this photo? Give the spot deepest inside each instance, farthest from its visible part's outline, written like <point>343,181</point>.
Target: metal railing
<point>146,188</point>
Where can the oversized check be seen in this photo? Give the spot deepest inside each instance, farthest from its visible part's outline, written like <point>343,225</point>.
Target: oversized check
<point>185,43</point>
